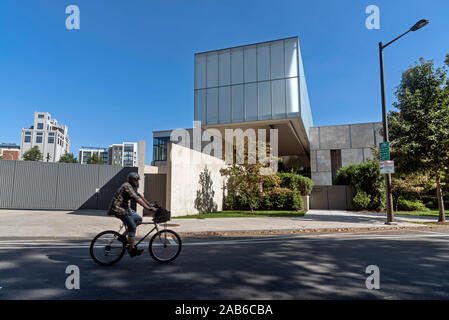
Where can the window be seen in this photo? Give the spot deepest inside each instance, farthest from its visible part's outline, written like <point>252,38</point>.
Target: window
<point>38,139</point>
<point>51,134</point>
<point>51,140</point>
<point>27,139</point>
<point>335,162</point>
<point>160,148</point>
<point>40,116</point>
<point>40,126</point>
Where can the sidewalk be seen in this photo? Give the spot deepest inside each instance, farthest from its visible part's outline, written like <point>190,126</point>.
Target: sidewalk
<point>86,224</point>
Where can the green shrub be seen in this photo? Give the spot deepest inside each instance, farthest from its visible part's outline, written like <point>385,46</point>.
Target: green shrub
<point>294,181</point>
<point>365,177</point>
<point>234,202</point>
<point>282,199</point>
<point>361,201</point>
<point>411,205</point>
<point>294,201</point>
<point>283,196</point>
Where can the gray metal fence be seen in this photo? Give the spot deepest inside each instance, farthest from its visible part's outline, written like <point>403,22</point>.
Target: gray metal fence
<point>58,186</point>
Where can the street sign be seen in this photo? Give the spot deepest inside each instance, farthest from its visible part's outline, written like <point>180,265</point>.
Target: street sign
<point>384,151</point>
<point>387,167</point>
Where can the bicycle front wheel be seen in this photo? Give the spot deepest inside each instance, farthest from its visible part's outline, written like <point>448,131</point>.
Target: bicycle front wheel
<point>107,248</point>
<point>165,246</point>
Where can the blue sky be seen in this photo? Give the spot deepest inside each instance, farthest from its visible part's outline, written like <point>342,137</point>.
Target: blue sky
<point>129,69</point>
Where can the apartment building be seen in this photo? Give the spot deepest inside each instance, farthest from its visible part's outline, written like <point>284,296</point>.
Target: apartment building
<point>86,152</point>
<point>124,154</point>
<point>46,133</point>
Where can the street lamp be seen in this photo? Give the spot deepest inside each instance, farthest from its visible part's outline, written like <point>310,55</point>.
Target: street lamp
<point>421,23</point>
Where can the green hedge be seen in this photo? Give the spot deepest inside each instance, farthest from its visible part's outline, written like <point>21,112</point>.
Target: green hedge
<point>286,197</point>
<point>364,177</point>
<point>295,181</point>
<point>361,201</point>
<point>411,205</point>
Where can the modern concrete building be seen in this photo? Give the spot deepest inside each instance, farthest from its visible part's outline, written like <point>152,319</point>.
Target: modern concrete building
<point>86,152</point>
<point>9,151</point>
<point>124,154</point>
<point>51,138</point>
<point>257,86</point>
<point>333,147</point>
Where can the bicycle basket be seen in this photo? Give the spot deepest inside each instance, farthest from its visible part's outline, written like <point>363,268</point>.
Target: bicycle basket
<point>161,215</point>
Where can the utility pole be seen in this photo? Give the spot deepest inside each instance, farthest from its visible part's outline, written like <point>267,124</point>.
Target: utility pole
<point>416,26</point>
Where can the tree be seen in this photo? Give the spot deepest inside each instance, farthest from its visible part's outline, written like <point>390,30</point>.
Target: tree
<point>420,129</point>
<point>247,179</point>
<point>95,159</point>
<point>34,154</point>
<point>446,61</point>
<point>68,158</point>
<point>411,184</point>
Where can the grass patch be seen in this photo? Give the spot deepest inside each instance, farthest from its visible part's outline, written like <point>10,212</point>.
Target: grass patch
<point>244,214</point>
<point>420,213</point>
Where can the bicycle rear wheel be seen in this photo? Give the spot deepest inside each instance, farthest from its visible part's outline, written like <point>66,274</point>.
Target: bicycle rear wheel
<point>165,246</point>
<point>108,247</point>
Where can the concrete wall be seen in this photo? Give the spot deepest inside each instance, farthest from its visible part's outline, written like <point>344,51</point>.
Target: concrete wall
<point>354,141</point>
<point>184,167</point>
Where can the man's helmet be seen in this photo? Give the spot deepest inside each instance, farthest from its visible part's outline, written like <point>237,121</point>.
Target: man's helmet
<point>133,175</point>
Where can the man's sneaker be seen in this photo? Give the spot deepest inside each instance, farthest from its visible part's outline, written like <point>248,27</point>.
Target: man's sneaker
<point>135,252</point>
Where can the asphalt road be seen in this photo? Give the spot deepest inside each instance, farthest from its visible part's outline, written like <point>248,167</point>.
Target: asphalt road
<point>412,265</point>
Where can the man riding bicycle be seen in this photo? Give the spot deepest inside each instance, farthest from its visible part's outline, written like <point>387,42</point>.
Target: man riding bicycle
<point>119,208</point>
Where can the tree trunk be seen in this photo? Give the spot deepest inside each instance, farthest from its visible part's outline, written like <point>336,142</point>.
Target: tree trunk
<point>441,215</point>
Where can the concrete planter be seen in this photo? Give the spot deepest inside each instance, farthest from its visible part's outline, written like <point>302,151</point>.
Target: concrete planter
<point>306,200</point>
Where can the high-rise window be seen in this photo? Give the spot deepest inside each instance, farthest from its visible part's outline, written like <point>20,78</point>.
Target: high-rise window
<point>160,148</point>
<point>40,126</point>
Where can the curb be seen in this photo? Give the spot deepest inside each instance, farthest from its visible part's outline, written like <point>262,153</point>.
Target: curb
<point>300,231</point>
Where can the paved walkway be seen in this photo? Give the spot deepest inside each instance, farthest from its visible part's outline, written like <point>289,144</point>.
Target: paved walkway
<point>86,224</point>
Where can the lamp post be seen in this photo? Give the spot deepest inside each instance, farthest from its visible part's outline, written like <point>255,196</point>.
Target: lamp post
<point>416,26</point>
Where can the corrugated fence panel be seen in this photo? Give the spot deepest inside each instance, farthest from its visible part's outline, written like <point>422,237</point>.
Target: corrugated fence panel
<point>6,182</point>
<point>109,180</point>
<point>77,186</point>
<point>35,185</point>
<point>60,186</point>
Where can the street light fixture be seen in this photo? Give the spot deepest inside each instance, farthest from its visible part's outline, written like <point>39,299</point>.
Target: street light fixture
<point>421,23</point>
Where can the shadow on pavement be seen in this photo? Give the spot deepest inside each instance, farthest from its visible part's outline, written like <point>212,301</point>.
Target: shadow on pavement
<point>324,269</point>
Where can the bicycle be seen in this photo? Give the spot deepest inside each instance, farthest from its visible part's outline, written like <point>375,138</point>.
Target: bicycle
<point>108,247</point>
